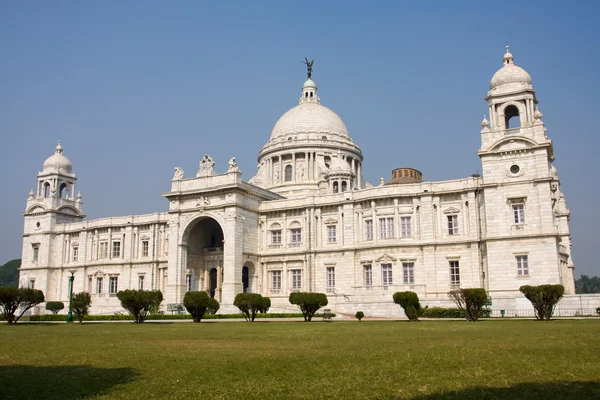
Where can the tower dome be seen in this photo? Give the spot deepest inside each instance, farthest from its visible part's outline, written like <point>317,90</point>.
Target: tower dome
<point>57,162</point>
<point>510,77</point>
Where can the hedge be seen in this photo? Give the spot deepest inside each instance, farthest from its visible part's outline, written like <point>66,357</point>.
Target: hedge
<point>451,312</point>
<point>159,317</point>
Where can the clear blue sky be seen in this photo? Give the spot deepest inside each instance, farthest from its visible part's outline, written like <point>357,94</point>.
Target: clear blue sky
<point>135,88</point>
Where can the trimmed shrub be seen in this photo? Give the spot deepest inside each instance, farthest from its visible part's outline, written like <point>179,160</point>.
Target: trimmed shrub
<point>213,306</point>
<point>308,302</point>
<point>543,298</point>
<point>80,305</point>
<point>359,315</point>
<point>265,305</point>
<point>409,301</point>
<point>598,311</point>
<point>11,298</point>
<point>249,304</point>
<point>470,301</point>
<point>196,303</point>
<point>161,317</point>
<point>55,306</point>
<point>443,312</point>
<point>139,302</point>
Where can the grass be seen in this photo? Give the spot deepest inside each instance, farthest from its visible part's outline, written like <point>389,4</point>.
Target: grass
<point>296,360</point>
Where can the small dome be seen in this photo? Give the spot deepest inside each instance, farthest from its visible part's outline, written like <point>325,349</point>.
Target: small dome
<point>510,74</point>
<point>309,83</point>
<point>57,162</point>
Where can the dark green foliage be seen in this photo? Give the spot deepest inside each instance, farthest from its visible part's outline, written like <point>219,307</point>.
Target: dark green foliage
<point>470,301</point>
<point>587,284</point>
<point>55,306</point>
<point>139,302</point>
<point>11,298</point>
<point>443,312</point>
<point>308,302</point>
<point>250,304</point>
<point>543,298</point>
<point>359,315</point>
<point>598,310</point>
<point>213,306</point>
<point>80,305</point>
<point>9,273</point>
<point>197,303</point>
<point>265,305</point>
<point>409,301</point>
<point>161,317</point>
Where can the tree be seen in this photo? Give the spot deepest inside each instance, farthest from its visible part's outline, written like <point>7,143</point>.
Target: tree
<point>80,305</point>
<point>470,301</point>
<point>587,284</point>
<point>265,305</point>
<point>9,273</point>
<point>197,303</point>
<point>409,301</point>
<point>11,298</point>
<point>359,315</point>
<point>139,302</point>
<point>55,306</point>
<point>543,298</point>
<point>250,304</point>
<point>308,302</point>
<point>213,306</point>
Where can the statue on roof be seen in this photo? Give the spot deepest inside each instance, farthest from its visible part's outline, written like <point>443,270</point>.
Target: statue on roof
<point>309,65</point>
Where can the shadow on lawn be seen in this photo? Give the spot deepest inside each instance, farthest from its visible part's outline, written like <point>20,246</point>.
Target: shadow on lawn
<point>549,390</point>
<point>60,382</point>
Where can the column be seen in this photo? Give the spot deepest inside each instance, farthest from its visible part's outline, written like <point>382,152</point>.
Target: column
<point>397,224</point>
<point>265,277</point>
<point>306,176</point>
<point>491,117</point>
<point>375,223</point>
<point>284,232</point>
<point>359,185</point>
<point>284,279</point>
<point>309,167</point>
<point>219,284</point>
<point>109,245</point>
<point>353,170</point>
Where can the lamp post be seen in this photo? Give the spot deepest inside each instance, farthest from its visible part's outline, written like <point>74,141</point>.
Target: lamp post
<point>71,279</point>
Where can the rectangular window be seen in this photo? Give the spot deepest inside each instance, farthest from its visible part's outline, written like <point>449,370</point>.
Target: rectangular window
<point>188,282</point>
<point>386,228</point>
<point>331,233</point>
<point>368,275</point>
<point>408,273</point>
<point>116,249</point>
<point>36,253</point>
<point>276,237</point>
<point>145,248</point>
<point>103,250</point>
<point>75,253</point>
<point>296,279</point>
<point>406,227</point>
<point>31,284</point>
<point>275,280</point>
<point>519,213</point>
<point>99,285</point>
<point>454,273</point>
<point>112,285</point>
<point>452,224</point>
<point>141,282</point>
<point>386,275</point>
<point>330,277</point>
<point>522,266</point>
<point>369,230</point>
<point>296,236</point>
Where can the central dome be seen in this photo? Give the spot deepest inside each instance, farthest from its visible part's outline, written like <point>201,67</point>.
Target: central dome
<point>309,118</point>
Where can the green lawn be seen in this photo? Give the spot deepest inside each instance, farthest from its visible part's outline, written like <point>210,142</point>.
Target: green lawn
<point>296,360</point>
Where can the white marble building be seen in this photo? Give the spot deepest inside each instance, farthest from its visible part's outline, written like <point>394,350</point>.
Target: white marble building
<point>308,221</point>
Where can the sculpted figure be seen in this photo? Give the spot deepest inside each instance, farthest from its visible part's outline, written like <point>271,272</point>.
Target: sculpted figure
<point>178,174</point>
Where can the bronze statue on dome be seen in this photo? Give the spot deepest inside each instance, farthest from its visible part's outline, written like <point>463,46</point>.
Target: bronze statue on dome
<point>309,65</point>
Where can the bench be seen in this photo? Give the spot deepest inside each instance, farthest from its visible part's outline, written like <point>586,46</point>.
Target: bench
<point>179,308</point>
<point>327,315</point>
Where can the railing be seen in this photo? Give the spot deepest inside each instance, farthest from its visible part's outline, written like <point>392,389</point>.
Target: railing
<point>563,312</point>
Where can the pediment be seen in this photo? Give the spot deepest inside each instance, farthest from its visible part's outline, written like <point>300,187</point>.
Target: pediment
<point>512,144</point>
<point>385,258</point>
<point>451,210</point>
<point>99,273</point>
<point>330,221</point>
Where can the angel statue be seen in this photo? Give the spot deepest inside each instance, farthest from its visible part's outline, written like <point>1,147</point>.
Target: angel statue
<point>309,65</point>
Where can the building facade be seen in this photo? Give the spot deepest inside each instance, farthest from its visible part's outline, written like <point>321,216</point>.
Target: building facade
<point>308,221</point>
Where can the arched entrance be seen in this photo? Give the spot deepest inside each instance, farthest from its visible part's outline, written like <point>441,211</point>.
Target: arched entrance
<point>249,278</point>
<point>245,281</point>
<point>204,261</point>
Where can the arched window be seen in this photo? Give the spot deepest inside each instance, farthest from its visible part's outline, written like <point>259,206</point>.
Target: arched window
<point>46,189</point>
<point>511,117</point>
<point>288,173</point>
<point>344,186</point>
<point>311,94</point>
<point>335,187</point>
<point>306,95</point>
<point>63,192</point>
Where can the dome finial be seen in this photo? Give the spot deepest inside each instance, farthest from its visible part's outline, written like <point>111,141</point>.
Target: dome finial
<point>59,148</point>
<point>508,58</point>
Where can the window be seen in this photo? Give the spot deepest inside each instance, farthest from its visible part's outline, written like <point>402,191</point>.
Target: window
<point>522,266</point>
<point>406,227</point>
<point>36,252</point>
<point>296,279</point>
<point>103,250</point>
<point>296,236</point>
<point>454,273</point>
<point>116,249</point>
<point>276,237</point>
<point>452,224</point>
<point>275,280</point>
<point>99,285</point>
<point>519,213</point>
<point>31,284</point>
<point>188,282</point>
<point>408,273</point>
<point>344,186</point>
<point>386,228</point>
<point>331,233</point>
<point>141,282</point>
<point>330,277</point>
<point>90,287</point>
<point>369,230</point>
<point>288,173</point>
<point>368,275</point>
<point>75,253</point>
<point>386,274</point>
<point>145,247</point>
<point>112,284</point>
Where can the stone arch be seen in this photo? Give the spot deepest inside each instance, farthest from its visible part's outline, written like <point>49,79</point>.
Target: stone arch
<point>249,278</point>
<point>509,138</point>
<point>506,110</point>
